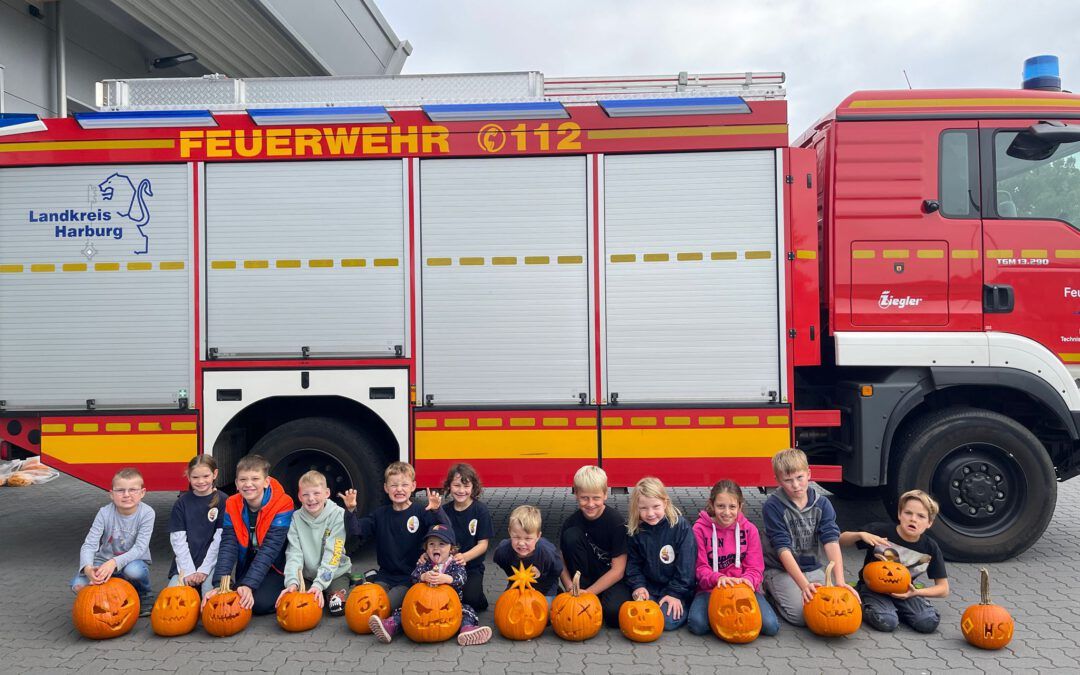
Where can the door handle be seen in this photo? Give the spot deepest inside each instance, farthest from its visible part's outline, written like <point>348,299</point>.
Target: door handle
<point>998,298</point>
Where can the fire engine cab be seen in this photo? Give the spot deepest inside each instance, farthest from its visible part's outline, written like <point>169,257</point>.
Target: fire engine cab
<point>531,274</point>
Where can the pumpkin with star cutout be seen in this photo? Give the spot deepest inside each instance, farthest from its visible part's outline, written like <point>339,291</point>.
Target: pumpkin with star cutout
<point>364,601</point>
<point>734,613</point>
<point>834,610</point>
<point>521,612</point>
<point>108,610</point>
<point>431,613</point>
<point>222,614</point>
<point>299,610</point>
<point>176,611</point>
<point>887,574</point>
<point>576,616</point>
<point>641,620</point>
<point>986,625</point>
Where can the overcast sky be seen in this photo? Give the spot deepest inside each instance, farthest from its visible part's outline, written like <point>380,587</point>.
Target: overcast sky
<point>827,49</point>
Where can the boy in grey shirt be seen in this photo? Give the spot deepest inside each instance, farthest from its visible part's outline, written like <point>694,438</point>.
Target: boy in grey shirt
<point>119,540</point>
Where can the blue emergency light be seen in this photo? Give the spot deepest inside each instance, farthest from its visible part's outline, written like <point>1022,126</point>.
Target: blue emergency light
<point>1042,72</point>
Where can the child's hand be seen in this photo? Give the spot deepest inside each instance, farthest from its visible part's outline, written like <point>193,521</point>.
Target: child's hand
<point>730,581</point>
<point>857,596</point>
<point>909,593</point>
<point>89,572</point>
<point>209,594</point>
<point>291,588</point>
<point>314,590</point>
<point>459,558</point>
<point>247,600</point>
<point>195,579</point>
<point>873,540</point>
<point>808,592</point>
<point>105,571</point>
<point>434,500</point>
<point>640,593</point>
<point>348,498</point>
<point>674,606</point>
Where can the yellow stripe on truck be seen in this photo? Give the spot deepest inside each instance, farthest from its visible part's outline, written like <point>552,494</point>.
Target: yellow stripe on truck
<point>643,443</point>
<point>507,444</point>
<point>120,448</point>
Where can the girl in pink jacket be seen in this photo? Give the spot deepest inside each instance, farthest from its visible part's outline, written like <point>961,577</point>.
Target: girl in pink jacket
<point>728,552</point>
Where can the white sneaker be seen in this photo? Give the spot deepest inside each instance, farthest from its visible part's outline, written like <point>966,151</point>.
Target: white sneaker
<point>473,636</point>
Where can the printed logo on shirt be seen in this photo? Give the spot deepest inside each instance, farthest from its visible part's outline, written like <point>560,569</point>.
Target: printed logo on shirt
<point>472,527</point>
<point>212,515</point>
<point>667,554</point>
<point>412,524</point>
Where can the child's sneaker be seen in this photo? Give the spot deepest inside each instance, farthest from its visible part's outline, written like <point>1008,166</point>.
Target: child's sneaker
<point>379,629</point>
<point>337,603</point>
<point>475,635</point>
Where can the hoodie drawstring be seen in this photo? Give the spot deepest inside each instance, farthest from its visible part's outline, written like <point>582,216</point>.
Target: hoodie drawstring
<point>738,552</point>
<point>715,551</point>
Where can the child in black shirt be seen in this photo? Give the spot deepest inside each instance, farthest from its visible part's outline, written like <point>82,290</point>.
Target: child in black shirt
<point>526,547</point>
<point>471,522</point>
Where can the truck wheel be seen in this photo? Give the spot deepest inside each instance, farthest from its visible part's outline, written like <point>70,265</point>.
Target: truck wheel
<point>992,477</point>
<point>339,451</point>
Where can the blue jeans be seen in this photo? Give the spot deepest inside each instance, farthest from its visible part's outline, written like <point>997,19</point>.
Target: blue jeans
<point>136,572</point>
<point>676,624</point>
<point>699,615</point>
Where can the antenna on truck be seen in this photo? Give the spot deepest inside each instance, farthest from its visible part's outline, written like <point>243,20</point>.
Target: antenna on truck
<point>904,71</point>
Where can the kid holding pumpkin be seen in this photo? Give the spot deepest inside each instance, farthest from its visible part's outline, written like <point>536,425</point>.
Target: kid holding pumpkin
<point>527,547</point>
<point>914,549</point>
<point>728,553</point>
<point>660,552</point>
<point>195,527</point>
<point>471,521</point>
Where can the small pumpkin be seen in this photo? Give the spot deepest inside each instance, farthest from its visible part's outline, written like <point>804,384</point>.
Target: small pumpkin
<point>887,574</point>
<point>176,610</point>
<point>431,613</point>
<point>734,613</point>
<point>641,620</point>
<point>834,610</point>
<point>108,610</point>
<point>222,614</point>
<point>576,616</point>
<point>986,625</point>
<point>521,612</point>
<point>299,611</point>
<point>364,601</point>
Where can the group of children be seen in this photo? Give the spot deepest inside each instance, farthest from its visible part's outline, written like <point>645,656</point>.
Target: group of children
<point>256,537</point>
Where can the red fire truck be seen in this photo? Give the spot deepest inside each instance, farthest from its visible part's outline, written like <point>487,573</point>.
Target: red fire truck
<point>533,274</point>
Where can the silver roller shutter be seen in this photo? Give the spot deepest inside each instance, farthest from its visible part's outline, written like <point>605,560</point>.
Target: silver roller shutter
<point>691,276</point>
<point>504,280</point>
<point>305,254</point>
<point>82,315</point>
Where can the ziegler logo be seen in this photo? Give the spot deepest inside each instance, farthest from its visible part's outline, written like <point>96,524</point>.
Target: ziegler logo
<point>491,138</point>
<point>888,300</point>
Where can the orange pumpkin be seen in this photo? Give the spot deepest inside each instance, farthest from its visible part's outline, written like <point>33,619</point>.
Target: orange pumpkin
<point>986,625</point>
<point>222,614</point>
<point>834,610</point>
<point>108,610</point>
<point>734,614</point>
<point>887,574</point>
<point>431,613</point>
<point>521,612</point>
<point>176,610</point>
<point>364,601</point>
<point>576,616</point>
<point>299,611</point>
<point>641,620</point>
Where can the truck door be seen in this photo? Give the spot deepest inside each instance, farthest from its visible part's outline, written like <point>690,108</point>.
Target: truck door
<point>1032,240</point>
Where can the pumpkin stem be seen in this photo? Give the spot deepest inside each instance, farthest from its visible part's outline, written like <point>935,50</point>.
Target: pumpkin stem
<point>575,585</point>
<point>828,573</point>
<point>300,578</point>
<point>224,587</point>
<point>984,586</point>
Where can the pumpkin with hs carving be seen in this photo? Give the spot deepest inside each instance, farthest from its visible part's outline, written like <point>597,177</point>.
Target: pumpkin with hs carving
<point>108,610</point>
<point>299,610</point>
<point>431,613</point>
<point>986,625</point>
<point>834,610</point>
<point>176,610</point>
<point>364,601</point>
<point>222,614</point>
<point>734,613</point>
<point>521,612</point>
<point>641,620</point>
<point>887,574</point>
<point>576,616</point>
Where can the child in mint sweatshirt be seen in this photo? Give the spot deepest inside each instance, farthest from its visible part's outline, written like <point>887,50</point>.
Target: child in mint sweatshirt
<point>317,546</point>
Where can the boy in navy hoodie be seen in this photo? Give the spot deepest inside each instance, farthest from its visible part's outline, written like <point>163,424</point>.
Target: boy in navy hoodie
<point>398,528</point>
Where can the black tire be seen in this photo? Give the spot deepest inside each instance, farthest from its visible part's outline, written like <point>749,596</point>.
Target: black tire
<point>341,452</point>
<point>858,493</point>
<point>992,477</point>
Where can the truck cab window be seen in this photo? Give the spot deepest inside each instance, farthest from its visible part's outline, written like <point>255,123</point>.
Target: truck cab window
<point>959,177</point>
<point>1041,188</point>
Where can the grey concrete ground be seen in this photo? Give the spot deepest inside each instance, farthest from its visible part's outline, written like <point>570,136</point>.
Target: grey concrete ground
<point>41,529</point>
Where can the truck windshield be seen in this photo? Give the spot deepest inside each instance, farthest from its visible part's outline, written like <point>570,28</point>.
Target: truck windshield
<point>1044,189</point>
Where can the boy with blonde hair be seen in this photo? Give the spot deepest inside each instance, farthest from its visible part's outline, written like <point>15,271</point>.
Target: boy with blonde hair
<point>317,546</point>
<point>526,546</point>
<point>799,523</point>
<point>593,542</point>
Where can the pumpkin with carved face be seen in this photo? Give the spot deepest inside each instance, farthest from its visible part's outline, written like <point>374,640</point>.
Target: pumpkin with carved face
<point>222,614</point>
<point>431,613</point>
<point>299,610</point>
<point>734,614</point>
<point>641,620</point>
<point>364,601</point>
<point>576,616</point>
<point>107,610</point>
<point>521,612</point>
<point>986,625</point>
<point>834,610</point>
<point>176,611</point>
<point>887,574</point>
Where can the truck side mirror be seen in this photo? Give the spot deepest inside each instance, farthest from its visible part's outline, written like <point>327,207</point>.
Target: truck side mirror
<point>1042,139</point>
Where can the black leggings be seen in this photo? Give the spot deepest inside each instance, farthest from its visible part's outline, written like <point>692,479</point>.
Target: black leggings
<point>267,593</point>
<point>473,591</point>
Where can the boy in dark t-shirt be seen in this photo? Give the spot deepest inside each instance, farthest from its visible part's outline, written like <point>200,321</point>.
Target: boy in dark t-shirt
<point>917,551</point>
<point>526,546</point>
<point>593,542</point>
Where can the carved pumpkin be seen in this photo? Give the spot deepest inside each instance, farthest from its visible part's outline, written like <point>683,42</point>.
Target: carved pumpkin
<point>521,612</point>
<point>222,614</point>
<point>734,614</point>
<point>431,613</point>
<point>108,610</point>
<point>834,610</point>
<point>986,625</point>
<point>364,601</point>
<point>576,616</point>
<point>641,620</point>
<point>176,611</point>
<point>299,611</point>
<point>887,574</point>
